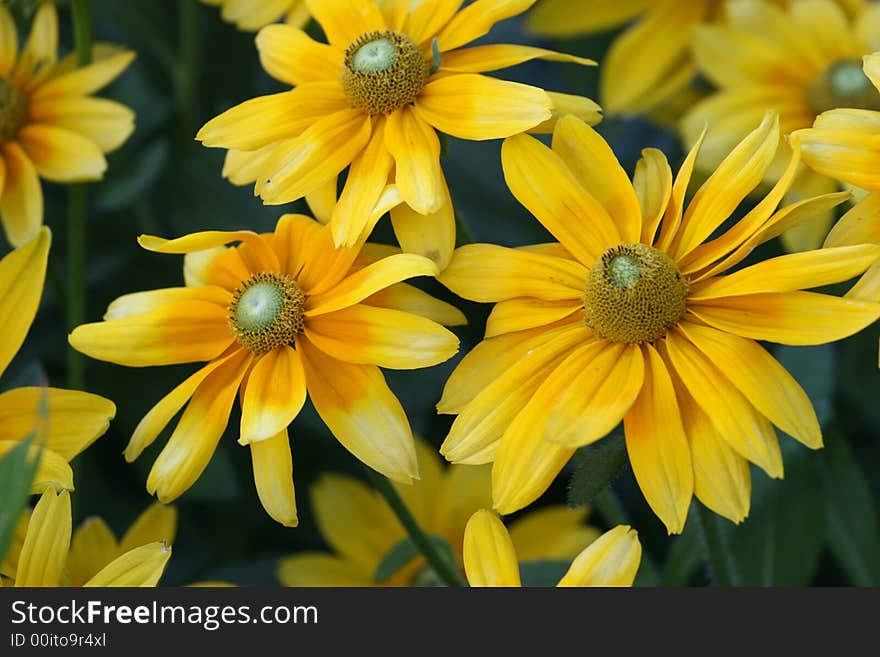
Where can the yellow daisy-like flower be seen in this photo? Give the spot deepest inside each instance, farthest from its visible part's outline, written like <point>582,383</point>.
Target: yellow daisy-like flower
<point>631,317</point>
<point>362,529</point>
<point>372,100</point>
<point>276,316</point>
<point>64,422</point>
<point>490,556</point>
<point>799,62</point>
<point>251,15</point>
<point>50,125</point>
<point>45,556</point>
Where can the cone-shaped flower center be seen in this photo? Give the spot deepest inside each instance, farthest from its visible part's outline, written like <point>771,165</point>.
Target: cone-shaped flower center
<point>13,110</point>
<point>634,294</point>
<point>267,312</point>
<point>843,84</point>
<point>383,72</point>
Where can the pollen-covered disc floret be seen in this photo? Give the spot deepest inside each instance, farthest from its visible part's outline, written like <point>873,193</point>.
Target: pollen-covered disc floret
<point>267,312</point>
<point>13,110</point>
<point>634,294</point>
<point>383,72</point>
<point>843,84</point>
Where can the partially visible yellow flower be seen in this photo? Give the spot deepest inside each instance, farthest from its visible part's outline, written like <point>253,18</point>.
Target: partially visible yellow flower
<point>799,62</point>
<point>275,317</point>
<point>361,528</point>
<point>372,101</point>
<point>64,422</point>
<point>490,556</point>
<point>45,556</point>
<point>50,125</point>
<point>632,317</point>
<point>251,15</point>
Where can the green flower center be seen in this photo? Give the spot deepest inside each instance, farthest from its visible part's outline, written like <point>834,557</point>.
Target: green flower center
<point>843,84</point>
<point>267,312</point>
<point>383,72</point>
<point>13,110</point>
<point>634,294</point>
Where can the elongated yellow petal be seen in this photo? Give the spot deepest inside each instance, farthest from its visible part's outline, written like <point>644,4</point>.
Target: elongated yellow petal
<point>42,558</point>
<point>657,446</point>
<point>585,109</point>
<point>191,446</point>
<point>88,79</point>
<point>21,201</point>
<point>410,299</point>
<point>481,59</point>
<point>93,547</point>
<point>489,556</point>
<point>321,569</point>
<point>290,55</point>
<point>343,21</point>
<point>362,413</point>
<point>428,235</point>
<point>652,183</point>
<point>477,19</point>
<point>846,153</point>
<point>8,41</point>
<point>860,225</point>
<point>545,184</point>
<point>52,471</point>
<point>612,560</point>
<point>797,318</point>
<point>60,155</point>
<point>273,395</point>
<point>158,522</point>
<point>477,107</point>
<point>553,532</point>
<point>527,313</point>
<point>273,476</point>
<point>41,49</point>
<point>211,239</point>
<point>560,18</point>
<point>671,221</point>
<point>416,150</point>
<point>22,274</point>
<point>139,303</point>
<point>75,419</point>
<point>140,567</point>
<point>733,416</point>
<point>766,384</point>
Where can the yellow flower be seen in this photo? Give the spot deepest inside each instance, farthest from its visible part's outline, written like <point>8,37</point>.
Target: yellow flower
<point>277,316</point>
<point>251,15</point>
<point>64,422</point>
<point>799,62</point>
<point>490,556</point>
<point>362,529</point>
<point>630,318</point>
<point>45,556</point>
<point>372,101</point>
<point>50,125</point>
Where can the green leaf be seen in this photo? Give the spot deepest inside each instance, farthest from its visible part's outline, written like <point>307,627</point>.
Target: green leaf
<point>814,368</point>
<point>542,573</point>
<point>123,189</point>
<point>599,465</point>
<point>17,472</point>
<point>404,552</point>
<point>685,556</point>
<point>851,515</point>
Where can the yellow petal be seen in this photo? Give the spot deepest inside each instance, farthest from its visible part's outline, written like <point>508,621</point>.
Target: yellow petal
<point>273,476</point>
<point>191,446</point>
<point>846,153</point>
<point>60,155</point>
<point>476,107</point>
<point>489,557</point>
<point>104,122</point>
<point>591,160</point>
<point>93,547</point>
<point>8,41</point>
<point>362,413</point>
<point>273,395</point>
<point>766,384</point>
<point>416,150</point>
<point>319,569</point>
<point>652,183</point>
<point>581,107</point>
<point>290,55</point>
<point>42,558</point>
<point>560,18</point>
<point>87,80</point>
<point>657,446</point>
<point>52,469</point>
<point>527,313</point>
<point>428,235</point>
<point>410,299</point>
<point>671,221</point>
<point>22,274</point>
<point>546,185</point>
<point>368,335</point>
<point>497,56</point>
<point>21,201</point>
<point>75,419</point>
<point>430,16</point>
<point>796,318</point>
<point>343,21</point>
<point>477,19</point>
<point>860,225</point>
<point>41,50</point>
<point>157,523</point>
<point>140,303</point>
<point>140,567</point>
<point>612,560</point>
<point>489,273</point>
<point>551,533</point>
<point>211,239</point>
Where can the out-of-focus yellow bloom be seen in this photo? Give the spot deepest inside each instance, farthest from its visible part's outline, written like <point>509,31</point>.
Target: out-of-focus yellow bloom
<point>799,62</point>
<point>372,101</point>
<point>276,316</point>
<point>631,317</point>
<point>50,125</point>
<point>361,528</point>
<point>251,15</point>
<point>490,556</point>
<point>43,554</point>
<point>63,422</point>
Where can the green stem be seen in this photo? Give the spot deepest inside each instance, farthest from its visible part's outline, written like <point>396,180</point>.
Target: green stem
<point>445,570</point>
<point>77,210</point>
<point>189,35</point>
<point>718,555</point>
